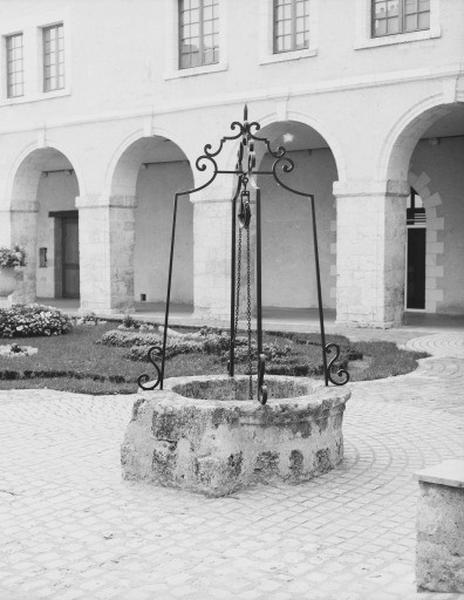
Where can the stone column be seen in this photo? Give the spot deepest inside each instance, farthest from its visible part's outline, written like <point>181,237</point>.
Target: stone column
<point>211,253</point>
<point>24,233</point>
<point>106,253</point>
<point>371,236</point>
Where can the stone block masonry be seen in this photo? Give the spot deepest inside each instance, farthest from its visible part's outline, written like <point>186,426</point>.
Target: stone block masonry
<point>204,435</point>
<point>440,528</point>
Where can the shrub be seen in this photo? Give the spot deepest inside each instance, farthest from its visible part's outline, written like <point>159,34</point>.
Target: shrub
<point>32,320</point>
<point>12,257</point>
<point>140,342</point>
<point>126,338</point>
<point>128,322</point>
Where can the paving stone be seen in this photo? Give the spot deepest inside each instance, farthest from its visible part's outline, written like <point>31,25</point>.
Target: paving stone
<point>71,528</point>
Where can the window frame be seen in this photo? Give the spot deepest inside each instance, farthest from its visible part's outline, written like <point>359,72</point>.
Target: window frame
<point>266,35</point>
<point>172,71</point>
<point>56,62</point>
<point>8,73</point>
<point>201,36</point>
<point>293,21</point>
<point>363,28</point>
<point>401,20</point>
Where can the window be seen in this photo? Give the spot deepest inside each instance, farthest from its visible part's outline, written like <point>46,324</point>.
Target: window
<point>291,25</point>
<point>53,58</point>
<point>399,16</point>
<point>14,66</point>
<point>198,33</point>
<point>415,211</point>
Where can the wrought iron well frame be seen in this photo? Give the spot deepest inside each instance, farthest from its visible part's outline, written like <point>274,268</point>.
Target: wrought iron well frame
<point>245,170</point>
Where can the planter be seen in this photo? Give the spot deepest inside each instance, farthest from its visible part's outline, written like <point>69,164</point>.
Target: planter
<point>203,435</point>
<point>8,281</point>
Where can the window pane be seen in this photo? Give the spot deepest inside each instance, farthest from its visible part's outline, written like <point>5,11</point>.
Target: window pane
<point>393,25</point>
<point>393,8</point>
<point>411,22</point>
<point>411,6</point>
<point>424,21</point>
<point>380,27</point>
<point>380,10</point>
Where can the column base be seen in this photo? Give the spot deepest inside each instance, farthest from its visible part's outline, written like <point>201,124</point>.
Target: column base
<point>367,323</point>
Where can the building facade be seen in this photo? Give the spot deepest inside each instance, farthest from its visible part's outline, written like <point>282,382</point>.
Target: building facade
<point>105,106</point>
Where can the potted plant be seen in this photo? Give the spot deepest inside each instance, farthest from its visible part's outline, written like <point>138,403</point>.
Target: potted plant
<point>10,259</point>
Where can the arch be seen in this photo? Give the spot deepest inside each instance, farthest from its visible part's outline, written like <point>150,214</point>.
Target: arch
<point>143,197</point>
<point>402,138</point>
<point>32,198</point>
<point>287,233</point>
<point>122,171</point>
<point>24,162</point>
<point>298,117</point>
<point>434,226</point>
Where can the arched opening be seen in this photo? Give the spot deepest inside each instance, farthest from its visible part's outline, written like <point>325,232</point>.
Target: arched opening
<point>429,153</point>
<point>289,281</point>
<point>44,220</point>
<point>152,170</point>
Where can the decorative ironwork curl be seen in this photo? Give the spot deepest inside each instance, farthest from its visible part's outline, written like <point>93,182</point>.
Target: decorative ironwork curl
<point>284,164</point>
<point>142,380</point>
<point>278,152</point>
<point>342,374</point>
<point>262,389</point>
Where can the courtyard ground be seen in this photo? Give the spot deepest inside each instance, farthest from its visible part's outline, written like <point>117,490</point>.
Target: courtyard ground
<point>72,529</point>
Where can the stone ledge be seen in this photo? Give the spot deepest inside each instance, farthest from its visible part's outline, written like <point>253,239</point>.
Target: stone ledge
<point>449,472</point>
<point>440,527</point>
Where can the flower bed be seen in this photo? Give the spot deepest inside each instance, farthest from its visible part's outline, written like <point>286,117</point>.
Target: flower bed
<point>79,362</point>
<point>32,320</point>
<point>16,351</point>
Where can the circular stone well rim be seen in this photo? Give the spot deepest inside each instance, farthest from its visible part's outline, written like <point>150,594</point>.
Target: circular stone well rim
<point>316,394</point>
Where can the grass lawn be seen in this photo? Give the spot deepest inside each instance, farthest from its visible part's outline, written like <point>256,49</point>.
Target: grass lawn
<point>75,362</point>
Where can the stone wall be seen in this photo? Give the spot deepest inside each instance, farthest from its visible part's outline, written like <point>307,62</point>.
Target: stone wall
<point>216,446</point>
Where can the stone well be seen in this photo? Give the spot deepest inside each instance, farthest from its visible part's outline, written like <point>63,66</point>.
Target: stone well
<point>200,434</point>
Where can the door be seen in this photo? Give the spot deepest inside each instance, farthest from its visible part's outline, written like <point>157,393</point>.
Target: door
<point>70,256</point>
<point>415,297</point>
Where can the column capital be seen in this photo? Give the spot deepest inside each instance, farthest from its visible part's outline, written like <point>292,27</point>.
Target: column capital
<point>221,190</point>
<point>369,187</point>
<point>23,206</point>
<point>104,201</point>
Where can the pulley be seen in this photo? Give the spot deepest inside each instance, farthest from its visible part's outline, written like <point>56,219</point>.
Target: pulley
<point>244,212</point>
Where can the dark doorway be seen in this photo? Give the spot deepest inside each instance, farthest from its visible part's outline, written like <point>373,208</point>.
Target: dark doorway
<point>416,268</point>
<point>415,260</point>
<point>66,253</point>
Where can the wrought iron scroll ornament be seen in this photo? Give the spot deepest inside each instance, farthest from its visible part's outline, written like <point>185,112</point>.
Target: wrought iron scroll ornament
<point>245,171</point>
<point>341,375</point>
<point>143,380</point>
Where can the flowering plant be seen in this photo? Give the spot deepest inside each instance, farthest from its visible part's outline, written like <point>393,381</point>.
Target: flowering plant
<point>12,257</point>
<point>32,320</point>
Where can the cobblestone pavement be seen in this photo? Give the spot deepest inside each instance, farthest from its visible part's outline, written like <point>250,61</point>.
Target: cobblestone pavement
<point>70,528</point>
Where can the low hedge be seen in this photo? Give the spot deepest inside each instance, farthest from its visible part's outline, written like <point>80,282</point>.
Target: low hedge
<point>30,320</point>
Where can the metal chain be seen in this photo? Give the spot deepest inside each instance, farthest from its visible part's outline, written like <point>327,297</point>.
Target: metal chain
<point>248,314</point>
<point>237,281</point>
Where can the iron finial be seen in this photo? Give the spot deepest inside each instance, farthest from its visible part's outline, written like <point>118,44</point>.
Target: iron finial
<point>245,113</point>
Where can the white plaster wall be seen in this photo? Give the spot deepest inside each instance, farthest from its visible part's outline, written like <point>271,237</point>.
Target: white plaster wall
<point>443,165</point>
<point>156,185</point>
<point>57,191</point>
<point>136,59</point>
<point>288,253</point>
